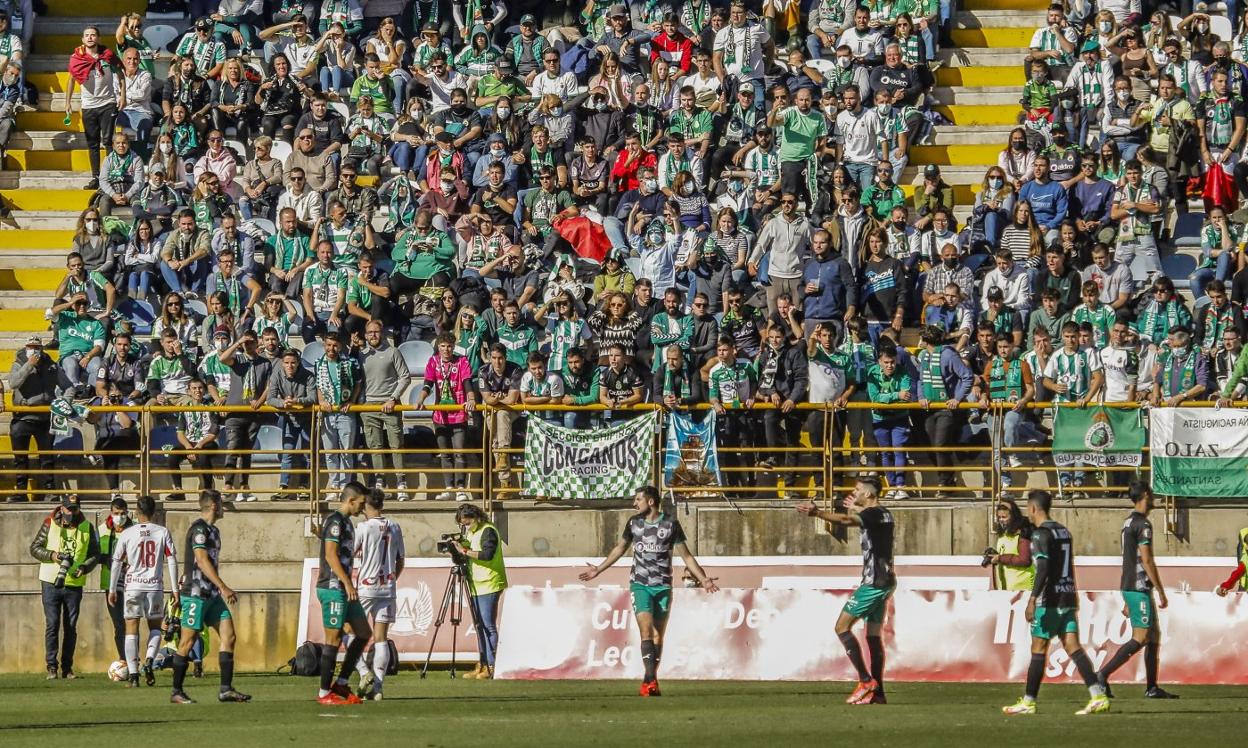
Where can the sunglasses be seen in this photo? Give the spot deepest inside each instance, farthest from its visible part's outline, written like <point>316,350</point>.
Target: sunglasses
<point>296,179</point>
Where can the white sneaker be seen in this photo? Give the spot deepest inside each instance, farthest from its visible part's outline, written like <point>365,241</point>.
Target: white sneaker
<point>890,495</point>
<point>402,491</point>
<point>445,496</point>
<point>1016,461</point>
<point>245,496</point>
<point>900,494</point>
<point>380,483</point>
<point>463,496</point>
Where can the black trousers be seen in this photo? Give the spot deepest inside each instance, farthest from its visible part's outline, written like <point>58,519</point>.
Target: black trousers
<point>241,432</point>
<point>116,614</point>
<point>22,431</point>
<point>97,125</point>
<point>60,610</point>
<point>941,428</point>
<point>735,430</point>
<point>783,430</point>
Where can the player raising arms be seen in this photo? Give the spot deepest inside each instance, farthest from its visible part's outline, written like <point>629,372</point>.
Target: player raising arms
<point>1139,578</point>
<point>340,603</point>
<point>139,553</point>
<point>380,551</point>
<point>206,600</point>
<point>654,537</point>
<point>870,601</point>
<point>1053,607</point>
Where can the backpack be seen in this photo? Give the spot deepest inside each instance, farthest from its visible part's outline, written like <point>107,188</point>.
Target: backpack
<point>307,660</point>
<point>392,668</point>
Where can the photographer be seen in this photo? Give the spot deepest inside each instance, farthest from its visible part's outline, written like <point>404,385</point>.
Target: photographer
<point>487,578</point>
<point>1011,558</point>
<point>67,549</point>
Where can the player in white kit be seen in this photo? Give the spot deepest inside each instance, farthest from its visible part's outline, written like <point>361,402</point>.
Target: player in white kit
<point>379,560</point>
<point>139,553</point>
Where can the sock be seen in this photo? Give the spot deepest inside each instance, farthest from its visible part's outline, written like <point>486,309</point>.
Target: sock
<point>329,657</point>
<point>1084,666</point>
<point>381,662</point>
<point>1152,651</point>
<point>1035,674</point>
<point>354,650</point>
<point>658,658</point>
<point>179,672</point>
<point>132,654</point>
<point>1124,653</point>
<point>225,661</point>
<point>854,651</point>
<point>153,643</point>
<point>361,666</point>
<point>647,659</point>
<point>875,645</point>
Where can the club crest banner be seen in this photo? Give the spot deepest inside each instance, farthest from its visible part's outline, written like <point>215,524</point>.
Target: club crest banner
<point>608,463</point>
<point>689,455</point>
<point>1100,437</point>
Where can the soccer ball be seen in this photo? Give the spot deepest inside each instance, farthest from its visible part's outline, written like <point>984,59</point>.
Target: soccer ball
<point>118,671</point>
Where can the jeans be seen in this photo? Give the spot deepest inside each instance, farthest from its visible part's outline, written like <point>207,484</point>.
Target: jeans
<point>994,224</point>
<point>60,609</point>
<point>894,434</point>
<point>139,283</point>
<point>338,432</point>
<point>814,47</point>
<point>614,229</point>
<point>334,78</point>
<point>241,432</point>
<point>319,325</point>
<point>408,157</point>
<point>76,374</point>
<point>941,428</point>
<point>116,617</point>
<point>203,461</point>
<point>863,174</point>
<point>451,439</point>
<point>140,121</point>
<point>384,431</point>
<point>294,436</point>
<point>193,277</point>
<point>578,420</point>
<point>929,42</point>
<point>487,633</point>
<point>1222,271</point>
<point>97,125</point>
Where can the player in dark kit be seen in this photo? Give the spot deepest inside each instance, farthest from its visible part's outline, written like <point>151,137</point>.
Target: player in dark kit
<point>1053,607</point>
<point>1139,578</point>
<point>653,537</point>
<point>870,600</point>
<point>340,602</point>
<point>206,600</point>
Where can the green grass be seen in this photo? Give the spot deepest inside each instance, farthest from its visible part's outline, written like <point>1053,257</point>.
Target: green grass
<point>440,712</point>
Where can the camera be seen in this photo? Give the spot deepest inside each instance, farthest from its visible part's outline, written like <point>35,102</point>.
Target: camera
<point>989,555</point>
<point>63,565</point>
<point>450,543</point>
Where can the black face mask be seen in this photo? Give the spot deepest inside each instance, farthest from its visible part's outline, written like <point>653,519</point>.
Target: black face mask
<point>460,109</point>
<point>1018,145</point>
<point>899,225</point>
<point>1222,62</point>
<point>1059,139</point>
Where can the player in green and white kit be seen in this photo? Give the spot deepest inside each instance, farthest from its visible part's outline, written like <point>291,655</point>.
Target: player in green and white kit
<point>870,600</point>
<point>654,537</point>
<point>1053,607</point>
<point>340,601</point>
<point>1139,578</point>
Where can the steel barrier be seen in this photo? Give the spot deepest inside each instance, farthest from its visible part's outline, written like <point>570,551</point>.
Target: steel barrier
<point>844,448</point>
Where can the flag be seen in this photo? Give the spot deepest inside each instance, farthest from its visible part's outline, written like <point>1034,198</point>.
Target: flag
<point>1098,436</point>
<point>1197,452</point>
<point>689,454</point>
<point>606,463</point>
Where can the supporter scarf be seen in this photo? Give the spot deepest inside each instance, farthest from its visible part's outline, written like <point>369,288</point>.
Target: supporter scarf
<point>334,379</point>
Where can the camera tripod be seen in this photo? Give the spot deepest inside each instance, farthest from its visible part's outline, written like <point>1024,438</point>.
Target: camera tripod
<point>456,593</point>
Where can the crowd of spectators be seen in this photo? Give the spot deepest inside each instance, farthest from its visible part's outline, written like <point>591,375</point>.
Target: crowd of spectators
<point>674,202</point>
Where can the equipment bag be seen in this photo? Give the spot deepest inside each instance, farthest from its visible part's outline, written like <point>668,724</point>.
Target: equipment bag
<point>307,660</point>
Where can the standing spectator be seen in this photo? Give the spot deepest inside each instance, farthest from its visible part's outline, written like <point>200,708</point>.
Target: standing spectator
<point>249,374</point>
<point>619,384</point>
<point>802,133</point>
<point>386,377</point>
<point>1182,372</point>
<point>449,376</point>
<point>33,382</point>
<point>292,388</point>
<point>91,68</point>
<point>1005,380</point>
<point>889,383</point>
<point>1073,375</point>
<point>1135,203</point>
<point>882,280</point>
<point>858,131</point>
<point>731,388</point>
<point>197,433</point>
<point>134,101</point>
<point>944,382</point>
<point>499,385</point>
<point>740,49</point>
<point>540,386</point>
<point>66,542</point>
<point>337,389</point>
<point>784,381</point>
<point>787,238</point>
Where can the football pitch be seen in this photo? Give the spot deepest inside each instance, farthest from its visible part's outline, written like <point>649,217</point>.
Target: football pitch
<point>93,711</point>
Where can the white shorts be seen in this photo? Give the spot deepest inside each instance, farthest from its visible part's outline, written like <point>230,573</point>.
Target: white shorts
<point>143,604</point>
<point>379,609</point>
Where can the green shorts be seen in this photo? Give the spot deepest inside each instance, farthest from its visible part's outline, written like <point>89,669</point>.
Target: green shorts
<point>336,609</point>
<point>1054,622</point>
<point>869,603</point>
<point>1140,609</point>
<point>657,601</point>
<point>198,612</point>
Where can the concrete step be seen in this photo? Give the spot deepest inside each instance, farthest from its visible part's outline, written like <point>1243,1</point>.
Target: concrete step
<point>53,179</point>
<point>959,155</point>
<point>61,160</point>
<point>981,19</point>
<point>25,240</point>
<point>43,278</point>
<point>978,96</point>
<point>968,114</point>
<point>42,220</point>
<point>22,320</point>
<point>970,77</point>
<point>994,38</point>
<point>1001,5</point>
<point>95,9</point>
<point>985,57</point>
<point>972,135</point>
<point>47,140</point>
<point>46,199</point>
<point>25,299</point>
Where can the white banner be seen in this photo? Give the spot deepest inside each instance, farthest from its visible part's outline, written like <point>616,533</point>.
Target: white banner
<point>1198,452</point>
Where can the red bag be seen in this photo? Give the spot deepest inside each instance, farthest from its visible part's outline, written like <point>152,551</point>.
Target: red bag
<point>586,237</point>
<point>1220,190</point>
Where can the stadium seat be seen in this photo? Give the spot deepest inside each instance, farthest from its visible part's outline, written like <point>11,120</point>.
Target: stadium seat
<point>269,438</point>
<point>342,109</point>
<point>265,225</point>
<point>142,316</point>
<point>634,266</point>
<point>159,36</point>
<point>312,352</point>
<point>1220,25</point>
<point>239,149</point>
<point>196,308</point>
<point>281,149</point>
<point>416,354</point>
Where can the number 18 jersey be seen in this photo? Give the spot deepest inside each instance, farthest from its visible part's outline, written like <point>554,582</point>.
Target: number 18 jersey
<point>144,548</point>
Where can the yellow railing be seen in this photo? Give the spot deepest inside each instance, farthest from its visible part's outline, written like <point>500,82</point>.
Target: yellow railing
<point>816,470</point>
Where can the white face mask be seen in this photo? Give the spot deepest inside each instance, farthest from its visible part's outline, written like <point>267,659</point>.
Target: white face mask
<point>93,226</point>
<point>687,189</point>
<point>995,183</point>
<point>1202,27</point>
<point>1105,27</point>
<point>221,345</point>
<point>503,113</point>
<point>166,147</point>
<point>650,184</point>
<point>1122,95</point>
<point>844,62</point>
<point>497,154</point>
<point>447,185</point>
<point>883,109</point>
<point>556,111</point>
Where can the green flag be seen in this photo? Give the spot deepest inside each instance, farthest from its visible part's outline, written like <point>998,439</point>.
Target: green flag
<point>1098,436</point>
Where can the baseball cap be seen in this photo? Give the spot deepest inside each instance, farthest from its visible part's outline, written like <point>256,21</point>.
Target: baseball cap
<point>203,24</point>
<point>34,340</point>
<point>931,170</point>
<point>430,26</point>
<point>746,87</point>
<point>1090,46</point>
<point>71,502</point>
<point>527,18</point>
<point>505,64</point>
<point>221,330</point>
<point>618,9</point>
<point>156,168</point>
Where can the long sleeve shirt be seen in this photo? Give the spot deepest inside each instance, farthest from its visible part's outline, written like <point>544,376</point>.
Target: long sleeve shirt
<point>789,243</point>
<point>1048,202</point>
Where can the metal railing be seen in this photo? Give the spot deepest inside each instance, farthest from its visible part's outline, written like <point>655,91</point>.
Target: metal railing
<point>844,449</point>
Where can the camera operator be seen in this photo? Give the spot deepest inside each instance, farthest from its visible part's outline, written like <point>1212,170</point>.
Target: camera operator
<point>487,578</point>
<point>1011,558</point>
<point>67,549</point>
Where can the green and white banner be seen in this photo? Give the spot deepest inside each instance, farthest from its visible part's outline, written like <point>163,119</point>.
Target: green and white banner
<point>606,463</point>
<point>1098,436</point>
<point>1199,452</point>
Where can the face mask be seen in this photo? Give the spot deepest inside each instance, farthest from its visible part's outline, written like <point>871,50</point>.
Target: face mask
<point>447,185</point>
<point>995,183</point>
<point>1059,139</point>
<point>166,147</point>
<point>503,113</point>
<point>899,225</point>
<point>951,263</point>
<point>444,149</point>
<point>221,345</point>
<point>1018,145</point>
<point>1202,27</point>
<point>844,62</point>
<point>460,108</point>
<point>9,79</point>
<point>497,154</point>
<point>1122,95</point>
<point>736,186</point>
<point>1222,62</point>
<point>650,184</point>
<point>883,109</point>
<point>600,106</point>
<point>556,111</point>
<point>1105,27</point>
<point>687,189</point>
<point>93,226</point>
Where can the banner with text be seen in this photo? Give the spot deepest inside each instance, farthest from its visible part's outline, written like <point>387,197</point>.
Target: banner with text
<point>1097,436</point>
<point>787,634</point>
<point>1199,452</point>
<point>609,463</point>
